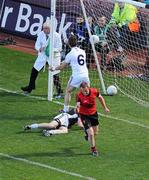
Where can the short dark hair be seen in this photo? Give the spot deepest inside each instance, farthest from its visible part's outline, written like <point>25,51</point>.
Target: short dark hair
<point>72,41</point>
<point>83,85</point>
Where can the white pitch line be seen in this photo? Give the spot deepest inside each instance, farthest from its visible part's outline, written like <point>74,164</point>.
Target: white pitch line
<point>19,93</point>
<point>47,166</point>
<point>126,121</point>
<point>60,103</point>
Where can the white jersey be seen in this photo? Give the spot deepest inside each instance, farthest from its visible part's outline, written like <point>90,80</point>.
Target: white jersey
<point>64,118</point>
<point>76,58</point>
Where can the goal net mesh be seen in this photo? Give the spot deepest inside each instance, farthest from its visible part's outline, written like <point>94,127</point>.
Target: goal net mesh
<point>123,52</point>
<point>123,55</point>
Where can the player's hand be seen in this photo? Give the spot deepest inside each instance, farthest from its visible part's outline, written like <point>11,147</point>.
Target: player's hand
<point>107,110</point>
<point>42,49</point>
<point>51,68</point>
<point>77,110</point>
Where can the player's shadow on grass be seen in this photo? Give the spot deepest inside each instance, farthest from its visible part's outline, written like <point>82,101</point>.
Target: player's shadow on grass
<point>28,132</point>
<point>65,152</point>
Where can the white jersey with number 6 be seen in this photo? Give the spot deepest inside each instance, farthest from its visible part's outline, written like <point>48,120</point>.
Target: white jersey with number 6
<point>76,58</point>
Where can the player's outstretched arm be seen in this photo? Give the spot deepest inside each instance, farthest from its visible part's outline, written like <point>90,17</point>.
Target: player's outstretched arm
<point>60,67</point>
<point>103,103</point>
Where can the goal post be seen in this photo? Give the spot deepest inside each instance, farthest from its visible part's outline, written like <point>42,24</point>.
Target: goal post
<point>51,49</point>
<point>93,48</point>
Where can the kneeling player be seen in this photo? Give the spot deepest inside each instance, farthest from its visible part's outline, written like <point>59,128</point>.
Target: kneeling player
<point>59,125</point>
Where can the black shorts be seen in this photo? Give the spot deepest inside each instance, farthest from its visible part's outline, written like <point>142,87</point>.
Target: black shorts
<point>59,123</point>
<point>90,120</point>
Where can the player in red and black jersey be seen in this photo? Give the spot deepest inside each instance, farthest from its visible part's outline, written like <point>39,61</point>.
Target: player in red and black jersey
<point>86,107</point>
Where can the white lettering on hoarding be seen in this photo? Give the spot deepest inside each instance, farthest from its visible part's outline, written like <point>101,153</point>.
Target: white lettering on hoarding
<point>36,25</point>
<point>22,17</point>
<point>7,11</point>
<point>24,22</point>
<point>63,28</point>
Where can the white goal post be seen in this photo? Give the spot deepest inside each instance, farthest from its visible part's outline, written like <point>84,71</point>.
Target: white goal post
<point>51,49</point>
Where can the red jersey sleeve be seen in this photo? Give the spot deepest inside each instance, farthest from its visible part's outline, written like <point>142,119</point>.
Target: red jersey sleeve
<point>96,92</point>
<point>78,98</point>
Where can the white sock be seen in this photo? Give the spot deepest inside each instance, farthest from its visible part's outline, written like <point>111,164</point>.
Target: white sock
<point>55,131</point>
<point>66,108</point>
<point>34,126</point>
<point>51,132</point>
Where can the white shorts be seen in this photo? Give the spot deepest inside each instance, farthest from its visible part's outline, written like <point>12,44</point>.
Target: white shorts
<point>76,81</point>
<point>63,118</point>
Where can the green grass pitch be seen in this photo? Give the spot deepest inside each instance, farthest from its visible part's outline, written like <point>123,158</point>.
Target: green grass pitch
<point>123,139</point>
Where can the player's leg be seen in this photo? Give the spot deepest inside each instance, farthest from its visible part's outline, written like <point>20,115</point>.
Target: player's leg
<point>87,122</point>
<point>67,99</point>
<point>91,138</point>
<point>57,84</point>
<point>31,85</point>
<point>61,130</point>
<point>38,65</point>
<point>80,124</point>
<point>96,129</point>
<point>56,78</point>
<point>51,125</point>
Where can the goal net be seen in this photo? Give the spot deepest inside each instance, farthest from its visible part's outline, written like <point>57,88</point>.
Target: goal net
<point>122,50</point>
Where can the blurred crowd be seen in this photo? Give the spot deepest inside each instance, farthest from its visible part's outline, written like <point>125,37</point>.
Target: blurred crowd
<point>123,31</point>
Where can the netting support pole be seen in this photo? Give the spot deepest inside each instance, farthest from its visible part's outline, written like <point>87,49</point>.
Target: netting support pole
<point>93,48</point>
<point>51,49</point>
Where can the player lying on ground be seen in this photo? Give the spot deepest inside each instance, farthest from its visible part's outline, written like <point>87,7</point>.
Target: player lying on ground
<point>86,106</point>
<point>59,125</point>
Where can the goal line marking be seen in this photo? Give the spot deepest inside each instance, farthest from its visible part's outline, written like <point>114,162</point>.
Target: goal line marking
<point>46,166</point>
<point>60,103</point>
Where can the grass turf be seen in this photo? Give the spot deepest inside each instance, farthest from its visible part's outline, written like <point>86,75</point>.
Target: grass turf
<point>124,147</point>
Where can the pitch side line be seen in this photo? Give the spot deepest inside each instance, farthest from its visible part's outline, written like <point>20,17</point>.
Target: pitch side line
<point>57,102</point>
<point>46,166</point>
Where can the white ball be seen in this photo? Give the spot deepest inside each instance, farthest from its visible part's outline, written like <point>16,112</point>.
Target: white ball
<point>111,90</point>
<point>95,39</point>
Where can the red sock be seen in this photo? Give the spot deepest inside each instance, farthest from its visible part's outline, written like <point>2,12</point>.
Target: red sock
<point>93,148</point>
